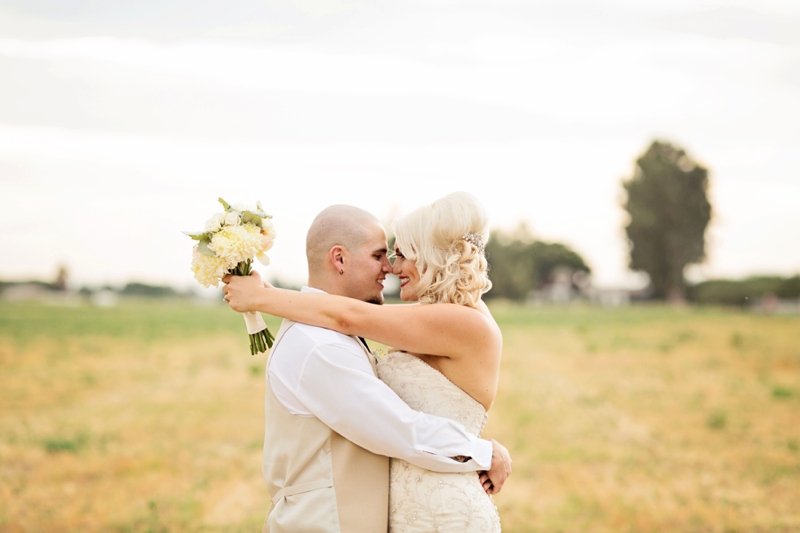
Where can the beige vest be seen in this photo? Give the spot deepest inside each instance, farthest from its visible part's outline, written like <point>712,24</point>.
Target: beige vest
<point>319,481</point>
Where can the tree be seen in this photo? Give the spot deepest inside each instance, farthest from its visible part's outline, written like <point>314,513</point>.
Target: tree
<point>548,256</point>
<point>518,263</point>
<point>669,212</point>
<point>511,268</point>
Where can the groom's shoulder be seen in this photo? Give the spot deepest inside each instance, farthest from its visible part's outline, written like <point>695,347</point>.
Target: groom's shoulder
<point>317,335</point>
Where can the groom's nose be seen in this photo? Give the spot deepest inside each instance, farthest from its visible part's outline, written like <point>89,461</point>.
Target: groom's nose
<point>386,266</point>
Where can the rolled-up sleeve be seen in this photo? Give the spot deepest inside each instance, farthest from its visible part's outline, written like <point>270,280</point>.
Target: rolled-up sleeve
<point>338,386</point>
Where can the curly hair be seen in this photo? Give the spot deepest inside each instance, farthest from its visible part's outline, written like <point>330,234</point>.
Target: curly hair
<point>452,269</point>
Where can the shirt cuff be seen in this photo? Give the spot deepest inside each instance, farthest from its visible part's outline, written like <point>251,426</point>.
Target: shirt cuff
<point>481,453</point>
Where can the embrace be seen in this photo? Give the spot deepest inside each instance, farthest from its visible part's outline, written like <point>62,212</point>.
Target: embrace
<point>335,416</point>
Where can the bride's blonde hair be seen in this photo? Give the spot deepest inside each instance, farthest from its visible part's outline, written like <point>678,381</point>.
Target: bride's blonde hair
<point>446,239</point>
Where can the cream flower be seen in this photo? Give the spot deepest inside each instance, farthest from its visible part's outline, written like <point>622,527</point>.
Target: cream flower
<point>236,243</point>
<point>266,242</point>
<point>208,269</point>
<point>268,227</point>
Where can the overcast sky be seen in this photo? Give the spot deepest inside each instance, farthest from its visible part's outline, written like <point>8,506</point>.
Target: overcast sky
<point>122,122</point>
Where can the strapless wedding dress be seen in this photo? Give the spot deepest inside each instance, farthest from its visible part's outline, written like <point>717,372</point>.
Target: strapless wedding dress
<point>421,500</point>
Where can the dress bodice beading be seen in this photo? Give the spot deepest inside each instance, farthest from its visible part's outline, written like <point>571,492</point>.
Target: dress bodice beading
<point>426,389</point>
<point>421,500</point>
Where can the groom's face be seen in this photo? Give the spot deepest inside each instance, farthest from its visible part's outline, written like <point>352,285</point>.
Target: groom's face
<point>368,267</point>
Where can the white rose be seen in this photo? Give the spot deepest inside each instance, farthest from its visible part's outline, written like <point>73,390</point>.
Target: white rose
<point>232,219</point>
<point>213,223</point>
<point>241,207</point>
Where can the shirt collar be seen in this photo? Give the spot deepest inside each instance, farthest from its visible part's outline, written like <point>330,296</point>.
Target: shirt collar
<point>306,288</point>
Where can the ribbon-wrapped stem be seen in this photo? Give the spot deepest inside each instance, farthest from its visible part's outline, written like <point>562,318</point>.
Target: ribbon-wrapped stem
<point>261,338</point>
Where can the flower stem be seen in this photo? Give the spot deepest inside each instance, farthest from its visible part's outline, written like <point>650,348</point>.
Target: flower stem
<point>261,342</point>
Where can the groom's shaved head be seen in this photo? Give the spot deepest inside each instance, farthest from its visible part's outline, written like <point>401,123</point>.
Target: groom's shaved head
<point>342,225</point>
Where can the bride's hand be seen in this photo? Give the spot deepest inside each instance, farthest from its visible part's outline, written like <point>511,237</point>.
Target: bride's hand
<point>494,479</point>
<point>241,292</point>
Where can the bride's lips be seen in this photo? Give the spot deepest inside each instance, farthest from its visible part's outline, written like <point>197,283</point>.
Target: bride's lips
<point>403,281</point>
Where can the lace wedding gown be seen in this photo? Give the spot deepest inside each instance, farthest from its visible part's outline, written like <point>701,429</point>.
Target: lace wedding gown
<point>422,500</point>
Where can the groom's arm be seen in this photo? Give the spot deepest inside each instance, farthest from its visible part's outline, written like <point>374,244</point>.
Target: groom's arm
<point>336,384</point>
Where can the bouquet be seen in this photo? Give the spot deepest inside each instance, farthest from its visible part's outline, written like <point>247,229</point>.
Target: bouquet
<point>227,246</point>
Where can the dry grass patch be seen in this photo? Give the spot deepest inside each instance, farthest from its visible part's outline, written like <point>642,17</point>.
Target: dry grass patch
<point>101,433</point>
<point>650,420</point>
<point>149,418</point>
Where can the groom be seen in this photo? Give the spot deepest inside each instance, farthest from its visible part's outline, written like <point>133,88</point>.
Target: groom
<point>331,424</point>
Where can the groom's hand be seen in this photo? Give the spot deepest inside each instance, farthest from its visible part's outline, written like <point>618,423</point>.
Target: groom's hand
<point>494,478</point>
<point>241,292</point>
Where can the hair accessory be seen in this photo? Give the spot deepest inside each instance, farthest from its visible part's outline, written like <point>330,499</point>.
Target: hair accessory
<point>475,240</point>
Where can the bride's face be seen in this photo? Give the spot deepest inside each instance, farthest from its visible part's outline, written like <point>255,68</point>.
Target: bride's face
<point>406,270</point>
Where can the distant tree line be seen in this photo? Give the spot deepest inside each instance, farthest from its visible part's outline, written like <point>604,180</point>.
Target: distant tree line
<point>133,288</point>
<point>146,290</point>
<point>744,292</point>
<point>520,263</point>
<point>44,285</point>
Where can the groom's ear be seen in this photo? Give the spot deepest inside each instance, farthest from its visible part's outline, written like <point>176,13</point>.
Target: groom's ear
<point>337,254</point>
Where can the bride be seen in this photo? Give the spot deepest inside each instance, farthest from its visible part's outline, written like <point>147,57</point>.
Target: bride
<point>446,355</point>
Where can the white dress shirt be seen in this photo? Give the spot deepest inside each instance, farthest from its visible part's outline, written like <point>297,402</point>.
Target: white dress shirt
<point>319,372</point>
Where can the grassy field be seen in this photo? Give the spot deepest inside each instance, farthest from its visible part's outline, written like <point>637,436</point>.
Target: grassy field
<point>148,418</point>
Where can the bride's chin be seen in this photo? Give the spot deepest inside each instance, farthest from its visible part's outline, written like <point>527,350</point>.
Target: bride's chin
<point>406,296</point>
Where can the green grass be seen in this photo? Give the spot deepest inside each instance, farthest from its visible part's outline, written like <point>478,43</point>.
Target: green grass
<point>142,321</point>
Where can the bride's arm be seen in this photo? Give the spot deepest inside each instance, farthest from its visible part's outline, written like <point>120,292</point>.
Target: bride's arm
<point>448,330</point>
